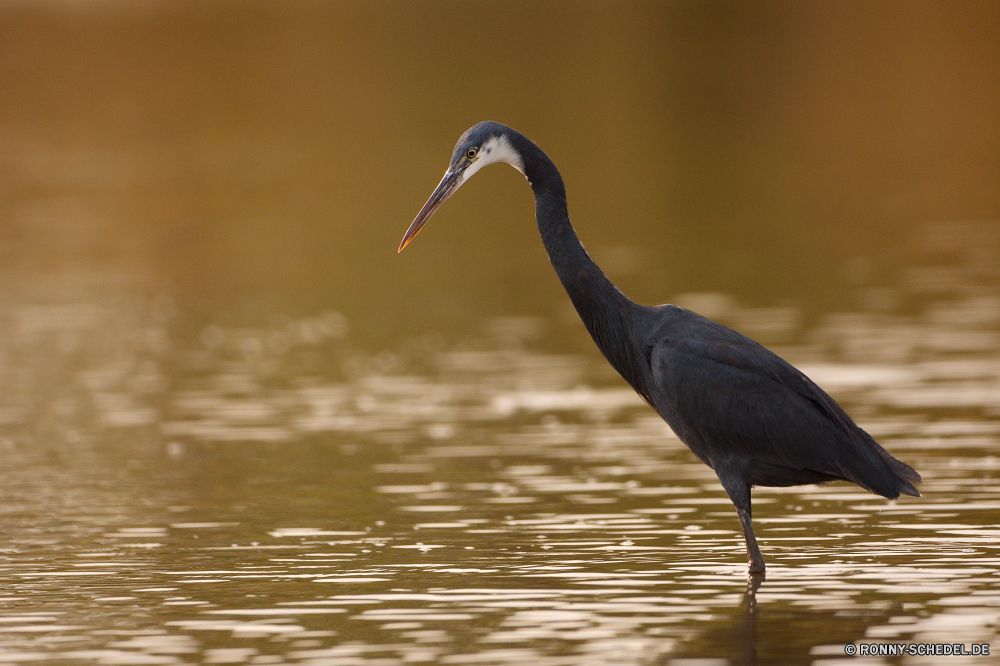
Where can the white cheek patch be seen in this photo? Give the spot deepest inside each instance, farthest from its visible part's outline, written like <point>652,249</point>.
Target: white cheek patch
<point>496,149</point>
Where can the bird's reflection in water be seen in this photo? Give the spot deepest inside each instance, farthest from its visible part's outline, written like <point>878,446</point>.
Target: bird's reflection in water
<point>745,631</point>
<point>733,641</point>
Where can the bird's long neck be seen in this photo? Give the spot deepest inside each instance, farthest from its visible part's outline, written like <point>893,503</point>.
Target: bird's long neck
<point>606,312</point>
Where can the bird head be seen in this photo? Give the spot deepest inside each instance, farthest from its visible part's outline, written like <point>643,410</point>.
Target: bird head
<point>483,144</point>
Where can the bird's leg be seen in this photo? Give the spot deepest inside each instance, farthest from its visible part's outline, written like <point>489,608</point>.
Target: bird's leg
<point>739,492</point>
<point>754,557</point>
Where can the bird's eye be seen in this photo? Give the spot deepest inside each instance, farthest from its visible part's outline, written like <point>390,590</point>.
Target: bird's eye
<point>471,153</point>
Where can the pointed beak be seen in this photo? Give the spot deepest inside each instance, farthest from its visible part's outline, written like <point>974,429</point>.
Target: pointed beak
<point>449,184</point>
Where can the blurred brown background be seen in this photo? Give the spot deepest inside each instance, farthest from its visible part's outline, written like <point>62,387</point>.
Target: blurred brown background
<point>263,159</point>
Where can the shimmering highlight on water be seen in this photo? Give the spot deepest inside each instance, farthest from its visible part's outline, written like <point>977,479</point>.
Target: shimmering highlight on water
<point>237,428</point>
<point>498,507</point>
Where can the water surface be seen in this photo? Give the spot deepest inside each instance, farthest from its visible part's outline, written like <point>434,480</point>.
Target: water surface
<point>273,495</point>
<point>237,428</point>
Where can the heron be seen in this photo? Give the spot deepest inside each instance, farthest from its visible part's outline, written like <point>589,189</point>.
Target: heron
<point>741,409</point>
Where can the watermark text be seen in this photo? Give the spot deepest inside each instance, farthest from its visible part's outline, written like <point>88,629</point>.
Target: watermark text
<point>917,649</point>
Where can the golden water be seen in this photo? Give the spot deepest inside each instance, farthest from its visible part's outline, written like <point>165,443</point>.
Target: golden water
<point>237,428</point>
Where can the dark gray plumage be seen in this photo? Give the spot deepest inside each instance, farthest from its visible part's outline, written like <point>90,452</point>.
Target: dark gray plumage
<point>744,411</point>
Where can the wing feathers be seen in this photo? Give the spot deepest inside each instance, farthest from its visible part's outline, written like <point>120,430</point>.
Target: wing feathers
<point>730,399</point>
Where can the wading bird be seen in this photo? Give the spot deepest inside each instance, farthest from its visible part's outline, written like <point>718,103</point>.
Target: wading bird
<point>745,412</point>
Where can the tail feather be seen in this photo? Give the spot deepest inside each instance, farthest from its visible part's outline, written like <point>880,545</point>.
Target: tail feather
<point>906,476</point>
<point>903,475</point>
<point>866,463</point>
